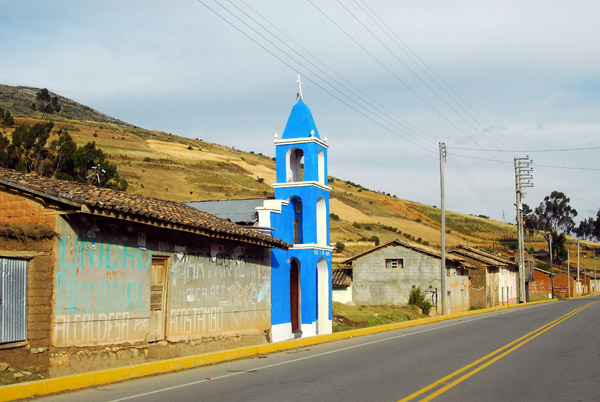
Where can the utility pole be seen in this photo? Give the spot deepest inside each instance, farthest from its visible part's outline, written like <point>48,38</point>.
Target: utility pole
<point>443,225</point>
<point>551,270</point>
<point>568,272</point>
<point>523,179</point>
<point>578,288</point>
<point>595,277</point>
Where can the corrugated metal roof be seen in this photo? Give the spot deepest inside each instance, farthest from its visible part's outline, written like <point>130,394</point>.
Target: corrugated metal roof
<point>147,210</point>
<point>238,211</point>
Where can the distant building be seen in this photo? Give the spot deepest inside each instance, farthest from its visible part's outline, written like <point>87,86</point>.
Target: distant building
<point>385,275</point>
<point>494,280</point>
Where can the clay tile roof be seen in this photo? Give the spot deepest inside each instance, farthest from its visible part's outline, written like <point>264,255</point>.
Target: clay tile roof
<point>482,256</point>
<point>413,246</point>
<point>154,211</point>
<point>340,278</point>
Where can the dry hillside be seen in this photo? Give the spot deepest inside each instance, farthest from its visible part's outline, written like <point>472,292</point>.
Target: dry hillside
<point>167,166</point>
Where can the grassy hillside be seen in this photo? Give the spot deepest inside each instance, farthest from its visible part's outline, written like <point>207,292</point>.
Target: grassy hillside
<point>170,167</point>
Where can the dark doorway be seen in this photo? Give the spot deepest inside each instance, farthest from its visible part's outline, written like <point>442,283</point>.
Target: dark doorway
<point>294,296</point>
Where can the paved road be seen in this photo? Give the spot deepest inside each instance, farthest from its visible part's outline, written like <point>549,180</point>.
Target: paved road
<point>547,352</point>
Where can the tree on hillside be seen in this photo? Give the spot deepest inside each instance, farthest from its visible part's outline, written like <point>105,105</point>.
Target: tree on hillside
<point>45,102</point>
<point>6,118</point>
<point>529,220</point>
<point>63,149</point>
<point>585,229</point>
<point>63,159</point>
<point>27,150</point>
<point>555,216</point>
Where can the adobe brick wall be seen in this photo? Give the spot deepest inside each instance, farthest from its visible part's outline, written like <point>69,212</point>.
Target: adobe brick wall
<point>541,284</point>
<point>17,209</point>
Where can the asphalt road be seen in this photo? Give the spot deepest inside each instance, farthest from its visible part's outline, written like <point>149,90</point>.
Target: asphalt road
<point>547,352</point>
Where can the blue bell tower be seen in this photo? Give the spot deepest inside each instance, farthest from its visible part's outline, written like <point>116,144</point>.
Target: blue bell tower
<point>301,276</point>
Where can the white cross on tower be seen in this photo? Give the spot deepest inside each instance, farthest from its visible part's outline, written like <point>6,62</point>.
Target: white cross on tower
<point>299,95</point>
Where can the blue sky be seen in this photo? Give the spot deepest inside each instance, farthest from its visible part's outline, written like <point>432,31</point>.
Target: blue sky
<point>497,77</point>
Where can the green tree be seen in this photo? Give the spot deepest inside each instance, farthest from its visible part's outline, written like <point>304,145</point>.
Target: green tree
<point>585,229</point>
<point>45,102</point>
<point>27,152</point>
<point>555,216</point>
<point>63,149</point>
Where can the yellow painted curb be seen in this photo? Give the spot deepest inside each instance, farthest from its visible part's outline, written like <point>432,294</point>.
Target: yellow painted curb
<point>94,378</point>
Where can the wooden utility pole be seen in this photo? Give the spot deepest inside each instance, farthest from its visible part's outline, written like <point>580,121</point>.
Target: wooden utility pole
<point>443,225</point>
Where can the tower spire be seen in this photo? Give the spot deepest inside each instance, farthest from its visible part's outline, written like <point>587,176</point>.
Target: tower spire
<point>299,94</point>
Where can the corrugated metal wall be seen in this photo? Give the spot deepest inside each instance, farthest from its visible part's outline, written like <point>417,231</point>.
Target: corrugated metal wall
<point>13,300</point>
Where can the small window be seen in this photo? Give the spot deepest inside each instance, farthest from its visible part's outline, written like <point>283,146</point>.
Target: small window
<point>394,263</point>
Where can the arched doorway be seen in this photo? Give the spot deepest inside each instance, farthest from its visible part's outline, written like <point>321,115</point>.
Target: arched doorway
<point>323,326</point>
<point>295,296</point>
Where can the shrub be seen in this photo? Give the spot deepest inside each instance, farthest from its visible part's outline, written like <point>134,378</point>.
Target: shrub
<point>357,225</point>
<point>260,180</point>
<point>375,240</point>
<point>339,247</point>
<point>190,147</point>
<point>334,217</point>
<point>147,159</point>
<point>418,298</point>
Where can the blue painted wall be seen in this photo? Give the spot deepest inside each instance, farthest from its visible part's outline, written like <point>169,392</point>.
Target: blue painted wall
<point>299,127</point>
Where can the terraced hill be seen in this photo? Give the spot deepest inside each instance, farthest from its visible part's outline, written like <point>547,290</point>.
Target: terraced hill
<point>167,166</point>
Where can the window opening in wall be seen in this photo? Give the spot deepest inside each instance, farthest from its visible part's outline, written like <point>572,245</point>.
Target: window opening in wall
<point>297,233</point>
<point>394,263</point>
<point>295,165</point>
<point>321,162</point>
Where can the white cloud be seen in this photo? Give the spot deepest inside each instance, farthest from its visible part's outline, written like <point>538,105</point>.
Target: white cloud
<point>529,68</point>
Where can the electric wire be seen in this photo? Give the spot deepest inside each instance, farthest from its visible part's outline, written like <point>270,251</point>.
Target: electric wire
<point>369,108</point>
<point>375,107</point>
<point>382,125</point>
<point>424,67</point>
<point>355,90</point>
<point>385,67</point>
<point>526,150</point>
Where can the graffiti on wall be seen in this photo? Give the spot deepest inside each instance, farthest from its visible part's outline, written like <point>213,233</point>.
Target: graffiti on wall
<point>218,291</point>
<point>102,292</point>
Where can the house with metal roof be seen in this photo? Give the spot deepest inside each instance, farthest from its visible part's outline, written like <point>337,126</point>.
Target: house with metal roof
<point>87,271</point>
<point>385,275</point>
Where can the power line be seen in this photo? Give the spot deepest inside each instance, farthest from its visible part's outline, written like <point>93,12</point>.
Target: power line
<point>406,136</point>
<point>525,150</point>
<point>385,67</point>
<point>426,69</point>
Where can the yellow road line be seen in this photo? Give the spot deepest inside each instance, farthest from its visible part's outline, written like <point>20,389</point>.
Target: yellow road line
<point>517,344</point>
<point>106,376</point>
